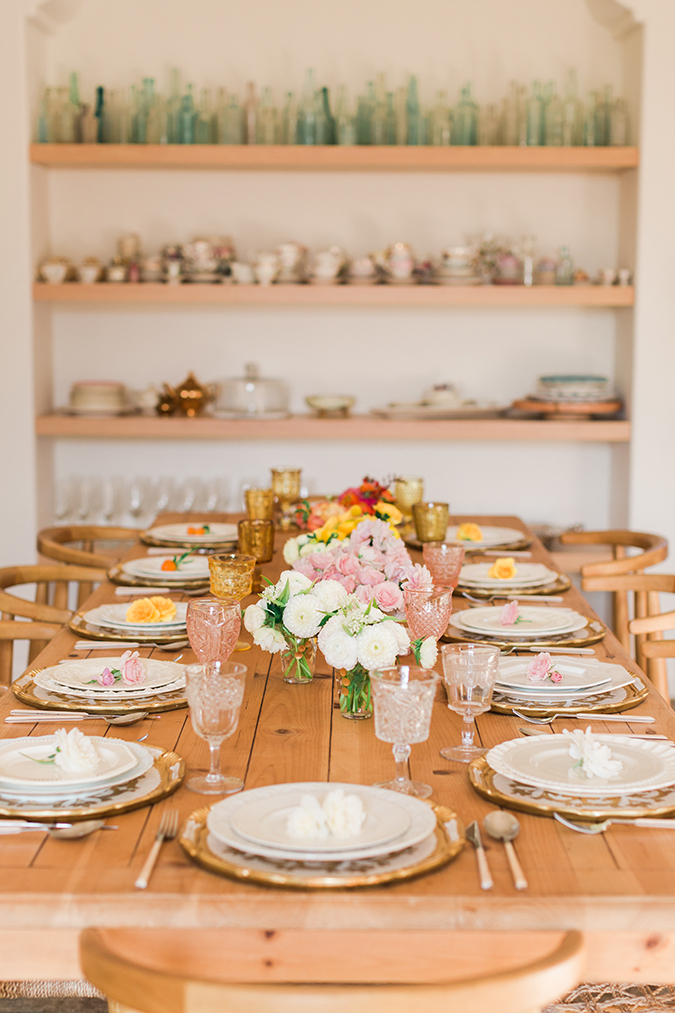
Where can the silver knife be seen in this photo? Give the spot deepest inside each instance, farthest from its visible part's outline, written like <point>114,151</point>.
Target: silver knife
<point>473,835</point>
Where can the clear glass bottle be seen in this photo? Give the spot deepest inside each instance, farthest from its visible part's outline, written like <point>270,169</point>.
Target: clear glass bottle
<point>509,132</point>
<point>250,106</point>
<point>413,113</point>
<point>345,122</point>
<point>321,124</point>
<point>590,121</point>
<point>553,123</point>
<point>173,108</point>
<point>266,123</point>
<point>188,117</point>
<point>306,110</point>
<point>564,274</point>
<point>328,116</point>
<point>69,114</point>
<point>464,126</point>
<point>535,116</point>
<point>618,127</point>
<point>233,122</point>
<point>289,120</point>
<point>390,131</point>
<point>572,113</point>
<point>364,115</point>
<point>441,121</point>
<point>603,112</point>
<point>488,125</point>
<point>204,120</point>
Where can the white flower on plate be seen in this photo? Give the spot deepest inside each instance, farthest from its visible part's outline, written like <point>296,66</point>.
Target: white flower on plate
<point>75,752</point>
<point>254,618</point>
<point>428,652</point>
<point>338,648</point>
<point>345,813</point>
<point>594,757</point>
<point>303,615</point>
<point>329,594</point>
<point>307,819</point>
<point>269,639</point>
<point>377,647</point>
<point>401,634</point>
<point>296,582</point>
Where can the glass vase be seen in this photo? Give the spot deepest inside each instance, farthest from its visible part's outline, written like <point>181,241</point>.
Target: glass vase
<point>298,658</point>
<point>355,696</point>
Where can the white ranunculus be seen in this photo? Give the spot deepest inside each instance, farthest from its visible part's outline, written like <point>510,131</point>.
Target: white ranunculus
<point>374,615</point>
<point>269,639</point>
<point>303,615</point>
<point>291,551</point>
<point>254,618</point>
<point>377,647</point>
<point>401,634</point>
<point>296,582</point>
<point>306,548</point>
<point>345,813</point>
<point>338,648</point>
<point>75,752</point>
<point>428,652</point>
<point>307,820</point>
<point>329,594</point>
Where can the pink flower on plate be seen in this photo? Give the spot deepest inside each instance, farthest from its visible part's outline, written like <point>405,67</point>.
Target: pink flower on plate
<point>388,596</point>
<point>509,614</point>
<point>132,669</point>
<point>539,668</point>
<point>106,678</point>
<point>555,676</point>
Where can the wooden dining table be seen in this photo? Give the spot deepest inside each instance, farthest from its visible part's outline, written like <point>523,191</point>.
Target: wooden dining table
<point>618,887</point>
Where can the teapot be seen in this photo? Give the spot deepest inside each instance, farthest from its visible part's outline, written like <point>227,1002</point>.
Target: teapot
<point>191,398</point>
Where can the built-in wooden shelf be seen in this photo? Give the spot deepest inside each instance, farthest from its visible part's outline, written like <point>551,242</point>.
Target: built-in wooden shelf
<point>334,295</point>
<point>334,158</point>
<point>307,427</point>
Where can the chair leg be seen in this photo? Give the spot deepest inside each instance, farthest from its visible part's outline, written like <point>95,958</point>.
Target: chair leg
<point>620,619</point>
<point>6,660</point>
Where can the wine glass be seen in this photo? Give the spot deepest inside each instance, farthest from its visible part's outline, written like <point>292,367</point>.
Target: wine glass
<point>469,673</point>
<point>444,561</point>
<point>215,692</point>
<point>212,628</point>
<point>403,698</point>
<point>427,612</point>
<point>232,579</point>
<point>408,490</point>
<point>286,485</point>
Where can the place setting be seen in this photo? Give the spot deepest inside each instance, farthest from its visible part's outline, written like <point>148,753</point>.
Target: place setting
<point>513,626</point>
<point>182,569</point>
<point>194,534</point>
<point>147,620</point>
<point>475,537</point>
<point>507,576</point>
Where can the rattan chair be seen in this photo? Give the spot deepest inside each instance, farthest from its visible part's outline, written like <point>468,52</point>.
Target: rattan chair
<point>76,545</point>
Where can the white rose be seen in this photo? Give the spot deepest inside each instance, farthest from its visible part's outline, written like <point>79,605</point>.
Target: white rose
<point>428,652</point>
<point>254,618</point>
<point>329,594</point>
<point>401,635</point>
<point>377,647</point>
<point>74,751</point>
<point>373,615</point>
<point>269,639</point>
<point>296,582</point>
<point>306,548</point>
<point>302,616</point>
<point>291,551</point>
<point>345,813</point>
<point>338,648</point>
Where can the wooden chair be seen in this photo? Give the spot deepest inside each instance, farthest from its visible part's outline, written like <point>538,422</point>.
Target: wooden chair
<point>49,606</point>
<point>10,631</point>
<point>654,549</point>
<point>379,971</point>
<point>56,543</point>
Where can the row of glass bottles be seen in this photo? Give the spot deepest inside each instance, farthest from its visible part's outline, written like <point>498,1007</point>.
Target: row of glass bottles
<point>538,116</point>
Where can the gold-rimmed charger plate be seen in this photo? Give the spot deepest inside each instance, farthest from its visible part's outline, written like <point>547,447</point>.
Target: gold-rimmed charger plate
<point>612,701</point>
<point>563,583</point>
<point>410,538</point>
<point>513,795</point>
<point>161,780</point>
<point>436,851</point>
<point>25,690</point>
<point>119,576</point>
<point>596,633</point>
<point>78,624</point>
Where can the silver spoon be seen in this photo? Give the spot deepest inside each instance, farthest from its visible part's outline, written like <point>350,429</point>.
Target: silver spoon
<point>80,829</point>
<point>503,826</point>
<point>130,719</point>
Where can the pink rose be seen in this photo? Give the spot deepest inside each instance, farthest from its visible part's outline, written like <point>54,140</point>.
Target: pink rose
<point>304,567</point>
<point>388,596</point>
<point>539,668</point>
<point>347,565</point>
<point>555,676</point>
<point>132,669</point>
<point>509,614</point>
<point>349,583</point>
<point>364,593</point>
<point>320,560</point>
<point>371,577</point>
<point>418,578</point>
<point>106,678</point>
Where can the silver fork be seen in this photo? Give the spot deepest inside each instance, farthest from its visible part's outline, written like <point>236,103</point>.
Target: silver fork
<point>638,719</point>
<point>599,827</point>
<point>167,830</point>
<point>532,598</point>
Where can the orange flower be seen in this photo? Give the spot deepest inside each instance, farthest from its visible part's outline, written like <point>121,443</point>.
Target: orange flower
<point>169,564</point>
<point>196,531</point>
<point>165,607</point>
<point>143,610</point>
<point>503,568</point>
<point>469,533</point>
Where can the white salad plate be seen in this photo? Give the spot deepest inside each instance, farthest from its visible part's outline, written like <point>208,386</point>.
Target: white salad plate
<point>58,789</point>
<point>192,568</point>
<point>77,674</point>
<point>461,410</point>
<point>577,675</point>
<point>26,762</point>
<point>534,621</point>
<point>544,761</point>
<point>379,804</point>
<point>527,574</point>
<point>116,616</point>
<point>179,533</point>
<point>491,536</point>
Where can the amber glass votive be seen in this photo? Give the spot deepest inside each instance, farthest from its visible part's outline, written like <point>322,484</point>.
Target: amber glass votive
<point>231,575</point>
<point>408,490</point>
<point>431,521</point>
<point>256,538</point>
<point>286,486</point>
<point>259,504</point>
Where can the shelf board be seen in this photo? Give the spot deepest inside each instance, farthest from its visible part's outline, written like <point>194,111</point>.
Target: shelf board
<point>334,295</point>
<point>307,427</point>
<point>335,158</point>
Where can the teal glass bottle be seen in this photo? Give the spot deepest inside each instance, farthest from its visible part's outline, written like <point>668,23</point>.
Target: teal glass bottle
<point>465,120</point>
<point>535,116</point>
<point>329,119</point>
<point>415,129</point>
<point>99,113</point>
<point>188,116</point>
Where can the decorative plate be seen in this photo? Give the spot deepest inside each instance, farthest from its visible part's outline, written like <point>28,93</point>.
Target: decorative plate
<point>562,583</point>
<point>55,792</point>
<point>78,673</point>
<point>527,574</point>
<point>27,762</point>
<point>82,628</point>
<point>176,533</point>
<point>578,674</point>
<point>192,568</point>
<point>115,617</point>
<point>596,633</point>
<point>117,575</point>
<point>533,621</point>
<point>612,701</point>
<point>29,692</point>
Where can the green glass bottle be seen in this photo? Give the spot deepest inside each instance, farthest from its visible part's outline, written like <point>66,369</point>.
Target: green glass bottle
<point>535,116</point>
<point>414,116</point>
<point>464,124</point>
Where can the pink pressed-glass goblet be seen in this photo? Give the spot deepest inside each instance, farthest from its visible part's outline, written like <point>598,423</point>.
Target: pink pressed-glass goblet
<point>213,627</point>
<point>444,561</point>
<point>428,612</point>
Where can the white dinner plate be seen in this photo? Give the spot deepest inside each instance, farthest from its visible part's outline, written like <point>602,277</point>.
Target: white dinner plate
<point>57,790</point>
<point>491,536</point>
<point>192,568</point>
<point>179,532</point>
<point>535,621</point>
<point>543,761</point>
<point>115,616</point>
<point>527,574</point>
<point>77,674</point>
<point>420,817</point>
<point>26,762</point>
<point>578,675</point>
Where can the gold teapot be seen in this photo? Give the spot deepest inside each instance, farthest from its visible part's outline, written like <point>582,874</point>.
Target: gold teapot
<point>191,398</point>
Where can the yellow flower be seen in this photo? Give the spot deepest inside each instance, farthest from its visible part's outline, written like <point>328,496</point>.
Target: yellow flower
<point>143,611</point>
<point>503,568</point>
<point>390,511</point>
<point>469,533</point>
<point>354,511</point>
<point>165,607</point>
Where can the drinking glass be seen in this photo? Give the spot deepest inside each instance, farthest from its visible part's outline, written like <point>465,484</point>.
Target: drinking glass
<point>286,486</point>
<point>259,504</point>
<point>431,521</point>
<point>444,561</point>
<point>256,538</point>
<point>469,673</point>
<point>408,490</point>
<point>212,628</point>
<point>231,575</point>
<point>403,698</point>
<point>215,692</point>
<point>428,612</point>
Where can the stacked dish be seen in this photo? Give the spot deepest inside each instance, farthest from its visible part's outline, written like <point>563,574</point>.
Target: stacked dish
<point>597,777</point>
<point>249,836</point>
<point>571,387</point>
<point>491,538</point>
<point>527,576</point>
<point>83,685</point>
<point>206,534</point>
<point>149,571</point>
<point>109,622</point>
<point>98,397</point>
<point>531,622</point>
<point>468,409</point>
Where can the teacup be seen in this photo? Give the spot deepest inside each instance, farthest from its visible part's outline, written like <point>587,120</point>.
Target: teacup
<point>607,275</point>
<point>242,273</point>
<point>89,272</point>
<point>54,271</point>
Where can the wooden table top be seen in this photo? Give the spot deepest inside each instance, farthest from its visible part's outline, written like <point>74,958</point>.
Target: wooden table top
<point>617,881</point>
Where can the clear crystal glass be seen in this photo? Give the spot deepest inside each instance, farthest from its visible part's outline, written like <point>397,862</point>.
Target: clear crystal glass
<point>215,692</point>
<point>469,673</point>
<point>403,699</point>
